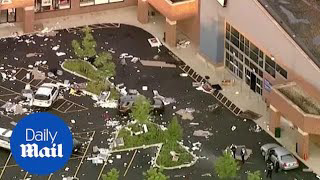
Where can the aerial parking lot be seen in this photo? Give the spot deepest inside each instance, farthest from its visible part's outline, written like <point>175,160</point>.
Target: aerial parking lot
<point>95,126</point>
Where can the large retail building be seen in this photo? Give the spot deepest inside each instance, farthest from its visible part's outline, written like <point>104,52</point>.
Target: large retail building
<point>270,45</point>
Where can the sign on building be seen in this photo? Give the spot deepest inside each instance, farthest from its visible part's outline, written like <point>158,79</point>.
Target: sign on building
<point>222,2</point>
<point>267,85</point>
<point>46,3</point>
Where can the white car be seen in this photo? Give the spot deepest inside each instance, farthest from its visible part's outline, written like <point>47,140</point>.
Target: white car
<point>46,95</point>
<point>5,135</point>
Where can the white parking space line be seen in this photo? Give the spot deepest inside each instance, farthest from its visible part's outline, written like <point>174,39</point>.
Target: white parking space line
<point>133,156</point>
<point>81,162</point>
<point>5,165</point>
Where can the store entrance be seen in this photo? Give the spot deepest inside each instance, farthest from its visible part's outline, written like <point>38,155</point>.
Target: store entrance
<point>7,15</point>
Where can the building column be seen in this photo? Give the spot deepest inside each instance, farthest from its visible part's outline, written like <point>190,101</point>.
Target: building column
<point>75,5</point>
<point>19,14</point>
<point>28,18</point>
<point>303,144</point>
<point>143,10</point>
<point>275,116</point>
<point>171,32</point>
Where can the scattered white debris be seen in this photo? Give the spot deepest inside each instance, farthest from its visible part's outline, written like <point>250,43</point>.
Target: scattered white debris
<point>67,169</point>
<point>237,92</point>
<point>233,128</point>
<point>118,156</point>
<point>110,161</point>
<point>186,114</point>
<point>174,107</point>
<point>183,44</point>
<point>201,133</point>
<point>60,53</point>
<point>166,101</point>
<point>30,66</point>
<point>55,47</point>
<point>135,59</point>
<point>256,128</point>
<point>194,124</point>
<point>73,121</point>
<point>154,42</point>
<point>145,88</point>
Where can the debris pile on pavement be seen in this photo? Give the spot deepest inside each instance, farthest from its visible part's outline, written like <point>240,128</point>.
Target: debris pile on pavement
<point>154,42</point>
<point>213,107</point>
<point>183,44</point>
<point>202,133</point>
<point>205,87</point>
<point>186,113</point>
<point>256,128</point>
<point>196,146</point>
<point>165,100</point>
<point>233,128</point>
<point>100,155</point>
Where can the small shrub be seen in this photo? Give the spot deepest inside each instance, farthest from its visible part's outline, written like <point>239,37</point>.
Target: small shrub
<point>226,166</point>
<point>141,110</point>
<point>254,176</point>
<point>86,48</point>
<point>96,87</point>
<point>175,131</point>
<point>113,174</point>
<point>155,174</point>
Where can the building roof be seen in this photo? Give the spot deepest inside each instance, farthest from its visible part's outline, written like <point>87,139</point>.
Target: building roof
<point>300,98</point>
<point>300,18</point>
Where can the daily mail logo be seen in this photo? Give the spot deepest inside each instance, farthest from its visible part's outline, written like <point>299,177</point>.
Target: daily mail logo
<point>41,143</point>
<point>32,150</point>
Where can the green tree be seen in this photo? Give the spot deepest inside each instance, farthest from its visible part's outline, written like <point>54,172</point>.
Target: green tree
<point>86,48</point>
<point>254,176</point>
<point>155,174</point>
<point>141,109</point>
<point>102,59</point>
<point>226,166</point>
<point>175,131</point>
<point>113,174</point>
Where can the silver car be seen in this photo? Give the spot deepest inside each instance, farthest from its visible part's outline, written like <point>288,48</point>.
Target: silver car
<point>279,156</point>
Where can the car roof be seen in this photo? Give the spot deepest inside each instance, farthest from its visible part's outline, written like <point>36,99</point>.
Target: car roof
<point>281,151</point>
<point>44,90</point>
<point>270,145</point>
<point>5,132</point>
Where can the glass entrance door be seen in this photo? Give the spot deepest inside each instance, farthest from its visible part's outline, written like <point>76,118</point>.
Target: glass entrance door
<point>8,15</point>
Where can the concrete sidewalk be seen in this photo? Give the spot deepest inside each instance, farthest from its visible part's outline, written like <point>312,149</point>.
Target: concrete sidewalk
<point>239,93</point>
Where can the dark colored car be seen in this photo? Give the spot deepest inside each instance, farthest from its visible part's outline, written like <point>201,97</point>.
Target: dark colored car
<point>125,104</point>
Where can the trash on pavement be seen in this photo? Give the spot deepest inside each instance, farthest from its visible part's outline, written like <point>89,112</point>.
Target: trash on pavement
<point>184,74</point>
<point>202,133</point>
<point>157,64</point>
<point>183,44</point>
<point>185,114</point>
<point>145,88</point>
<point>60,53</point>
<point>165,100</point>
<point>154,42</point>
<point>205,87</point>
<point>233,128</point>
<point>55,47</point>
<point>135,59</point>
<point>213,107</point>
<point>119,142</point>
<point>256,128</point>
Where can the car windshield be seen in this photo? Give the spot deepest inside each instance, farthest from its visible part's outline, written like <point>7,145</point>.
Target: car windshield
<point>41,97</point>
<point>287,157</point>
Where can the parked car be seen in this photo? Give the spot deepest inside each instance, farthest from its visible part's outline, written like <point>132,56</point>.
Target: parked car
<point>125,104</point>
<point>46,95</point>
<point>5,135</point>
<point>280,156</point>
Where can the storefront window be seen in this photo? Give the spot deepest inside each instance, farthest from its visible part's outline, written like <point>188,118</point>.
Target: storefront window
<point>8,15</point>
<point>96,2</point>
<point>50,5</point>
